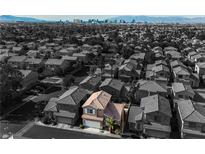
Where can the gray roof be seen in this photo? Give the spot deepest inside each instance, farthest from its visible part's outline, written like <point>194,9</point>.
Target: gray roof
<point>17,59</point>
<point>151,86</point>
<point>156,103</point>
<point>73,96</point>
<point>135,114</point>
<point>114,83</point>
<point>34,60</point>
<point>54,62</point>
<point>179,87</point>
<point>190,112</point>
<point>92,80</point>
<point>51,105</point>
<point>181,70</point>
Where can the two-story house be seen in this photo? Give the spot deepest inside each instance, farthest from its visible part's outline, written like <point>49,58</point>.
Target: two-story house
<point>191,119</point>
<point>116,88</point>
<point>182,91</point>
<point>67,107</point>
<point>98,107</point>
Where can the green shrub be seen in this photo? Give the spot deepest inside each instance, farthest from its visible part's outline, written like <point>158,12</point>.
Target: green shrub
<point>81,126</point>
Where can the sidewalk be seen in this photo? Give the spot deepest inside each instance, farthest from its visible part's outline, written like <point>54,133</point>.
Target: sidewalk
<point>85,130</point>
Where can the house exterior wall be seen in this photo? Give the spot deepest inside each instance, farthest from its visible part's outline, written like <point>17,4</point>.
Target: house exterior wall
<point>29,80</point>
<point>157,133</point>
<point>183,94</point>
<point>158,117</point>
<point>71,108</point>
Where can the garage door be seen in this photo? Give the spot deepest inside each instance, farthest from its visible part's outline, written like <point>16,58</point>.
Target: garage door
<point>64,120</point>
<point>93,124</point>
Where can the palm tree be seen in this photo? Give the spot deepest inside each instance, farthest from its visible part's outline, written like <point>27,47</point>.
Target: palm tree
<point>111,123</point>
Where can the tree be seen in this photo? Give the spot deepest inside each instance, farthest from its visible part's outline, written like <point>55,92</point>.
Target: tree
<point>111,123</point>
<point>68,80</point>
<point>112,62</point>
<point>10,80</point>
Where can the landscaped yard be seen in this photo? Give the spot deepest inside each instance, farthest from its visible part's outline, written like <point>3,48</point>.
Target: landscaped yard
<point>41,132</point>
<point>24,113</point>
<point>6,128</point>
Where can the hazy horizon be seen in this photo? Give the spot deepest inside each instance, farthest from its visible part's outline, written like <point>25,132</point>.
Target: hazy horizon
<point>86,17</point>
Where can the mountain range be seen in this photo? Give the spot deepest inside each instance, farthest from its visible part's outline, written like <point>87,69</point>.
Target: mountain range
<point>160,19</point>
<point>10,18</point>
<point>143,19</point>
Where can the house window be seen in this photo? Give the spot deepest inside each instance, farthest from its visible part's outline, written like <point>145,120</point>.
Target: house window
<point>180,76</point>
<point>90,111</point>
<point>192,124</point>
<point>157,118</point>
<point>203,128</point>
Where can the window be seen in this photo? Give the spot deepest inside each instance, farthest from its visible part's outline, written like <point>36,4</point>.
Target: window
<point>157,118</point>
<point>203,128</point>
<point>180,76</point>
<point>181,96</point>
<point>192,124</point>
<point>90,111</point>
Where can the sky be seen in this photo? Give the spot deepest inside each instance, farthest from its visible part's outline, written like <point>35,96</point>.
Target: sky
<point>68,17</point>
<point>82,17</point>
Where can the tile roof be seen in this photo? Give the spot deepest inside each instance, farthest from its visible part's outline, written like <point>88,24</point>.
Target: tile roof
<point>180,70</point>
<point>92,80</point>
<point>190,112</point>
<point>151,86</point>
<point>135,114</point>
<point>54,62</point>
<point>114,83</point>
<point>179,87</point>
<point>51,105</point>
<point>17,59</point>
<point>73,96</point>
<point>98,100</point>
<point>114,110</point>
<point>156,103</point>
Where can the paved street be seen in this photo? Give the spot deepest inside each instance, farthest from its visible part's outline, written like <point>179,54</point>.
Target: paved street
<point>41,132</point>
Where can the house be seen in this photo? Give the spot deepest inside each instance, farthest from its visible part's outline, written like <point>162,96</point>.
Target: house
<point>67,107</point>
<point>108,71</point>
<point>200,69</point>
<point>17,61</point>
<point>98,107</point>
<point>190,54</point>
<point>54,80</point>
<point>198,58</point>
<point>29,78</point>
<point>135,119</point>
<point>50,108</point>
<point>157,116</point>
<point>161,71</point>
<point>134,63</point>
<point>177,63</point>
<point>146,88</point>
<point>128,73</point>
<point>82,57</point>
<point>16,49</point>
<point>194,80</point>
<point>181,74</point>
<point>91,83</point>
<point>116,88</point>
<point>191,119</point>
<point>52,64</point>
<point>138,56</point>
<point>33,63</point>
<point>183,91</point>
<point>174,54</point>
